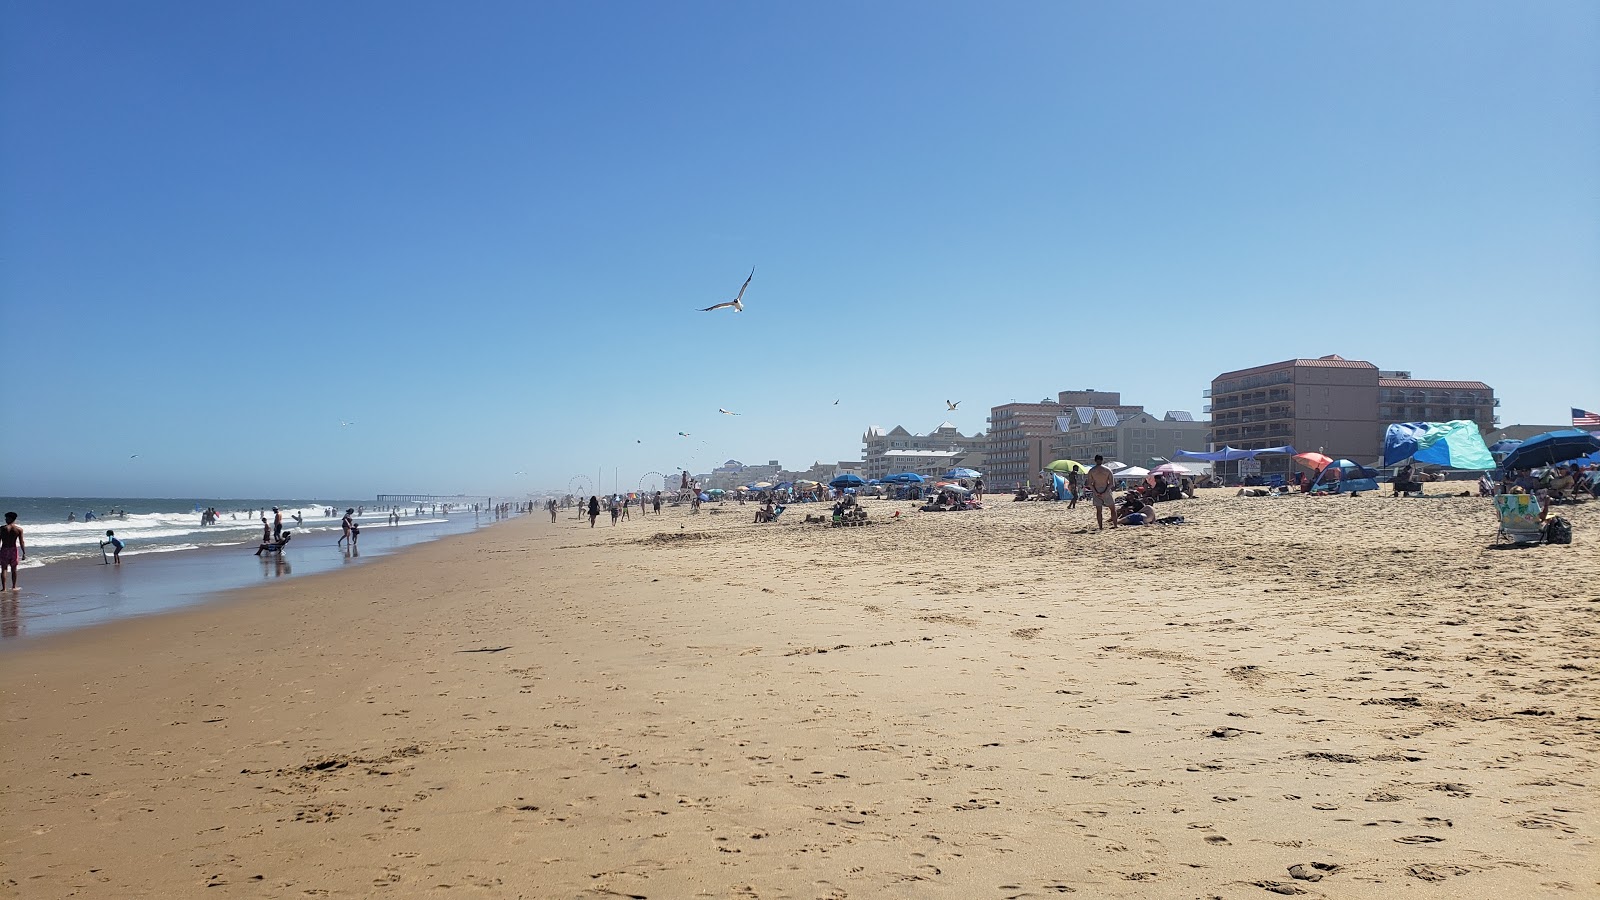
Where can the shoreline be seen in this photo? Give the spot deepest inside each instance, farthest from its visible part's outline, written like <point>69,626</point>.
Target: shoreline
<point>952,705</point>
<point>68,595</point>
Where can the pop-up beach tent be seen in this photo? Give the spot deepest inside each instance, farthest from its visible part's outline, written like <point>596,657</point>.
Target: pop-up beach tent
<point>1457,445</point>
<point>1351,478</point>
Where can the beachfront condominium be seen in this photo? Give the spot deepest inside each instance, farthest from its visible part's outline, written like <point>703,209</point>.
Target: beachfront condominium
<point>1020,440</point>
<point>1331,405</point>
<point>1137,438</point>
<point>1402,398</point>
<point>896,450</point>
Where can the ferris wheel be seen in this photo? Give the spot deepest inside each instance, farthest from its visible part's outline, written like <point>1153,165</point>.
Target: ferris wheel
<point>581,487</point>
<point>652,481</point>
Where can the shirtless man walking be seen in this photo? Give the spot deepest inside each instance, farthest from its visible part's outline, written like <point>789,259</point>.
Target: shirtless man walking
<point>1100,483</point>
<point>12,549</point>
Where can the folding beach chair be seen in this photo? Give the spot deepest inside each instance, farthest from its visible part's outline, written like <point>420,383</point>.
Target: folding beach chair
<point>1519,519</point>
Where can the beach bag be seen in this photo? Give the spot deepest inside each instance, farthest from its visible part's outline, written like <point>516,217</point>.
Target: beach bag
<point>1558,531</point>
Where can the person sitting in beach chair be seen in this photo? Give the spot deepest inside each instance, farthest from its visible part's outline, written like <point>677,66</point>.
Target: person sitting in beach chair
<point>268,545</point>
<point>1405,481</point>
<point>1560,484</point>
<point>1521,518</point>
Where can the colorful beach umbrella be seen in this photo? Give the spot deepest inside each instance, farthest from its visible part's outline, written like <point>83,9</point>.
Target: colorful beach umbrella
<point>1066,465</point>
<point>1172,469</point>
<point>1458,444</point>
<point>1316,462</point>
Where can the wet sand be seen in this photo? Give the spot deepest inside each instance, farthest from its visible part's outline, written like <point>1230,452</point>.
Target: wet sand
<point>1315,697</point>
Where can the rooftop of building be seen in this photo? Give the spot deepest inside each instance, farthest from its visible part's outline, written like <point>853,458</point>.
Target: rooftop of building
<point>1331,361</point>
<point>1425,384</point>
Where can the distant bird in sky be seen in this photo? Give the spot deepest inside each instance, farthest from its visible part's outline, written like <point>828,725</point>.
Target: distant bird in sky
<point>951,406</point>
<point>683,434</point>
<point>519,473</point>
<point>738,301</point>
<point>835,403</point>
<point>726,412</point>
<point>134,456</point>
<point>343,424</point>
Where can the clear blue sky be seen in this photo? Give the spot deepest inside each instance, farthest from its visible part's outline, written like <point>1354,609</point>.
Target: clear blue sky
<point>480,231</point>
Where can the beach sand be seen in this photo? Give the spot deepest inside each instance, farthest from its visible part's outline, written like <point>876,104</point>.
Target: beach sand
<point>1004,703</point>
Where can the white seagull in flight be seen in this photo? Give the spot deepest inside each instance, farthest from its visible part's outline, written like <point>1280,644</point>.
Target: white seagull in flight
<point>950,406</point>
<point>738,301</point>
<point>726,412</point>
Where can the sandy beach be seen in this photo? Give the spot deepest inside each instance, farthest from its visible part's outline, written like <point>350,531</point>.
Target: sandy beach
<point>1324,697</point>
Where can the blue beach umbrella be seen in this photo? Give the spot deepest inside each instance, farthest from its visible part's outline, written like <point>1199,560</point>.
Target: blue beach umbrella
<point>904,478</point>
<point>847,481</point>
<point>1552,447</point>
<point>963,473</point>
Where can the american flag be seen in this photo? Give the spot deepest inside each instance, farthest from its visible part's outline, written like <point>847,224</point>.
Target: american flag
<point>1583,418</point>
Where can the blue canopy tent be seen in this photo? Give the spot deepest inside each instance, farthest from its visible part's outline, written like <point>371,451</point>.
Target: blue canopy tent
<point>1552,447</point>
<point>1351,478</point>
<point>1457,445</point>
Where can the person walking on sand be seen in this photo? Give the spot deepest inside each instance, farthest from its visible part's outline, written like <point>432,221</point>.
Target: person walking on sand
<point>1100,484</point>
<point>115,544</point>
<point>1072,488</point>
<point>655,503</point>
<point>594,509</point>
<point>12,549</point>
<point>616,509</point>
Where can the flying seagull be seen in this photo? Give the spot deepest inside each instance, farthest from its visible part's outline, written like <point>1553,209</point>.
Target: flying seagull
<point>836,403</point>
<point>726,412</point>
<point>345,424</point>
<point>134,456</point>
<point>737,302</point>
<point>683,434</point>
<point>951,406</point>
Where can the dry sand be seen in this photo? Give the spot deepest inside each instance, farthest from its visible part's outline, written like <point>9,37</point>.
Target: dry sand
<point>994,704</point>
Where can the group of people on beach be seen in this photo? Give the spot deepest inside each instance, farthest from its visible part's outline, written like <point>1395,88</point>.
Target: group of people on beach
<point>617,504</point>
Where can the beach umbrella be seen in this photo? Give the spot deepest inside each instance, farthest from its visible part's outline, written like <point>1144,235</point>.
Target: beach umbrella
<point>904,478</point>
<point>951,487</point>
<point>761,485</point>
<point>963,473</point>
<point>1115,466</point>
<point>1552,447</point>
<point>1066,465</point>
<point>716,492</point>
<point>1457,444</point>
<point>1132,472</point>
<point>1172,468</point>
<point>1316,462</point>
<point>806,483</point>
<point>847,480</point>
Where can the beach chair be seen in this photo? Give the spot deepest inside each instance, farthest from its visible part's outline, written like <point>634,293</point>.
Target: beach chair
<point>1519,519</point>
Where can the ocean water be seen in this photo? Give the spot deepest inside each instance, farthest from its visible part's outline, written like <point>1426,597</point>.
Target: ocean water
<point>171,561</point>
<point>168,525</point>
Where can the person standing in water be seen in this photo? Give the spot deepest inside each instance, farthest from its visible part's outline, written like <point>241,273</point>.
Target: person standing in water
<point>12,549</point>
<point>347,526</point>
<point>115,544</point>
<point>277,523</point>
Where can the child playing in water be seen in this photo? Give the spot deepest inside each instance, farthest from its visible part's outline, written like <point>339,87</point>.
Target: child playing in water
<point>115,543</point>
